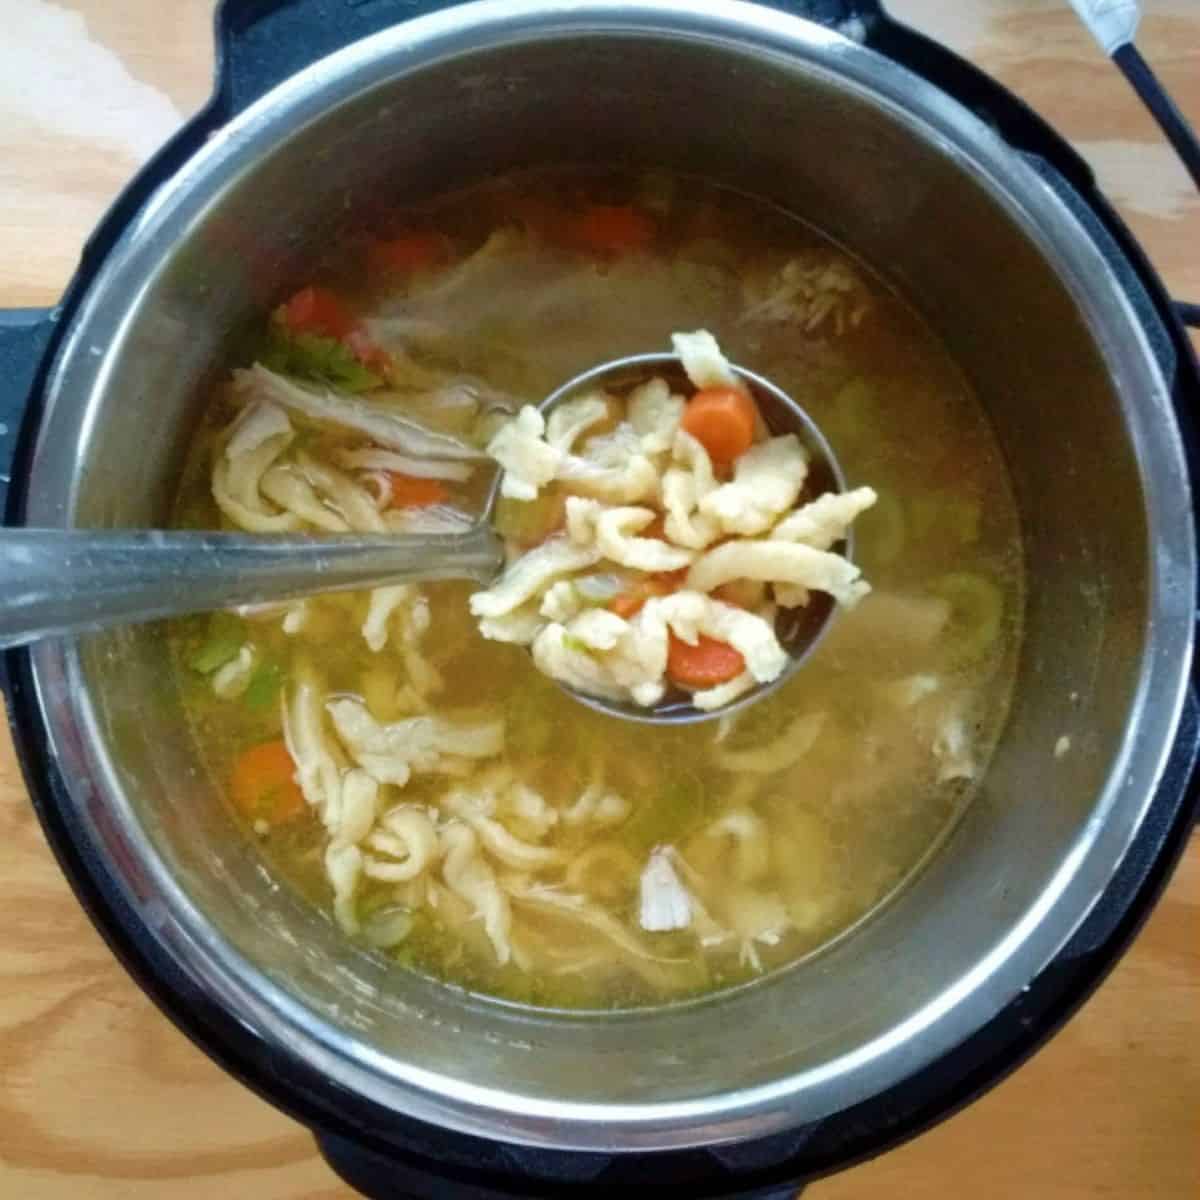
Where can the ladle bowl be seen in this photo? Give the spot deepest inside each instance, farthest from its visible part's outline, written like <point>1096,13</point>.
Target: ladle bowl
<point>799,629</point>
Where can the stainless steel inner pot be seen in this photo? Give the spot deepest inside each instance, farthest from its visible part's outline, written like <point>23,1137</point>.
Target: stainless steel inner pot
<point>943,208</point>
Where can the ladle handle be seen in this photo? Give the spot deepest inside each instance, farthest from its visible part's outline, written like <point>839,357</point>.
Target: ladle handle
<point>67,581</point>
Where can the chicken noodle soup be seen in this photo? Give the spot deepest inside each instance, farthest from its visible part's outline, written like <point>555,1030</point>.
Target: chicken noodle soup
<point>679,534</point>
<point>447,803</point>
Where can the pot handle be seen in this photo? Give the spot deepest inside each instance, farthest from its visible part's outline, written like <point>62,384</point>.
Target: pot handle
<point>24,336</point>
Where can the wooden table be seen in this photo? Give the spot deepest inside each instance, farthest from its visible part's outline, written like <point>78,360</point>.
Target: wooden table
<point>100,1098</point>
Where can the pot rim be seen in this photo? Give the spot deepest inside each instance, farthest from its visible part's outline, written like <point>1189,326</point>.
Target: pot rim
<point>75,735</point>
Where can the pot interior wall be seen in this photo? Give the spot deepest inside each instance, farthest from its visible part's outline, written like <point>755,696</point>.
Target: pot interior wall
<point>912,210</point>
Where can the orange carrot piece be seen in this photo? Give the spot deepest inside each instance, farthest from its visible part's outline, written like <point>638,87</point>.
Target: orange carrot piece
<point>320,311</point>
<point>703,665</point>
<point>630,602</point>
<point>671,581</point>
<point>263,784</point>
<point>614,229</point>
<point>410,491</point>
<point>722,420</point>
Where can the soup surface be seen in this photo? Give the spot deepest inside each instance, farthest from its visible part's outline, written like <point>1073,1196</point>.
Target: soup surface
<point>449,805</point>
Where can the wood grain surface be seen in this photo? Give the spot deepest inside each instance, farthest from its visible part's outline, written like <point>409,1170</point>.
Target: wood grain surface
<point>100,1098</point>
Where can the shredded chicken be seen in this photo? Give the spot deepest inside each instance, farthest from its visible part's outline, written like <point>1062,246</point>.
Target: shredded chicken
<point>384,426</point>
<point>430,743</point>
<point>469,876</point>
<point>256,441</point>
<point>664,902</point>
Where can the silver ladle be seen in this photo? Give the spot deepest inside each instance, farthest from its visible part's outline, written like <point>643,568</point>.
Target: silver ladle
<point>55,581</point>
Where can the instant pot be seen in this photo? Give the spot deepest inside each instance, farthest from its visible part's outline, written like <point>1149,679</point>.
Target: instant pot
<point>991,226</point>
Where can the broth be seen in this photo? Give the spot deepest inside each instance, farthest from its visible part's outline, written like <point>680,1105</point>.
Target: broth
<point>791,820</point>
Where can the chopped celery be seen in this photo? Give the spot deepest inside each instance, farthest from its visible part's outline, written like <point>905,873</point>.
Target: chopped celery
<point>264,687</point>
<point>310,356</point>
<point>225,636</point>
<point>215,653</point>
<point>387,927</point>
<point>976,611</point>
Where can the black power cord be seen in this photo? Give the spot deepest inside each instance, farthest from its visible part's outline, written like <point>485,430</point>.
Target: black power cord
<point>1173,123</point>
<point>1162,108</point>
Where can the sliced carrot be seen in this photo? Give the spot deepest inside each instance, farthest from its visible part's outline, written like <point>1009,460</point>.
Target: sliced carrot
<point>630,601</point>
<point>410,491</point>
<point>722,420</point>
<point>320,311</point>
<point>263,785</point>
<point>703,665</point>
<point>628,604</point>
<point>407,253</point>
<point>614,229</point>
